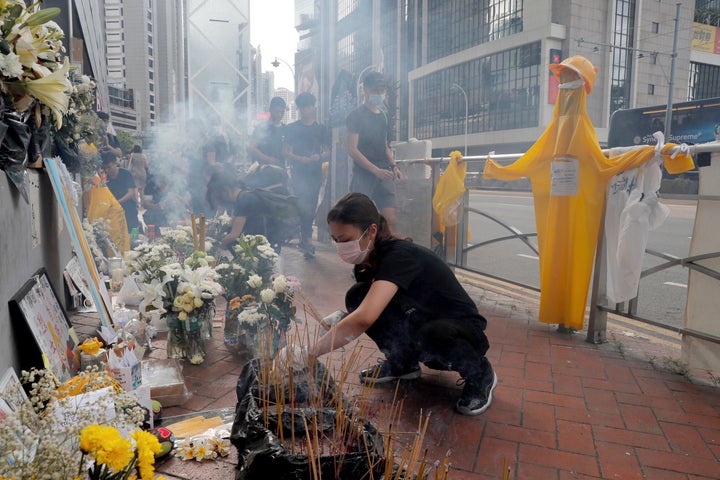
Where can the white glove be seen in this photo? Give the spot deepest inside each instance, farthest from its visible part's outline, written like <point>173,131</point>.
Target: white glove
<point>332,319</point>
<point>293,356</point>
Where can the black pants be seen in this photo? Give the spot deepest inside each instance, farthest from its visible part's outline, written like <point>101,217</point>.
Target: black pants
<point>407,337</point>
<point>306,187</point>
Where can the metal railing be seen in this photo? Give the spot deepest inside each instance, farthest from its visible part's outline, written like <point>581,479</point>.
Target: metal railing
<point>455,245</point>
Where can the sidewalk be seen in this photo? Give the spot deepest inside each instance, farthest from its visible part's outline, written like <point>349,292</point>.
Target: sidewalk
<point>563,408</point>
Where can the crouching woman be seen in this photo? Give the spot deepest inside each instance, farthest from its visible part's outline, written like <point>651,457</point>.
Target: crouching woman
<point>409,303</point>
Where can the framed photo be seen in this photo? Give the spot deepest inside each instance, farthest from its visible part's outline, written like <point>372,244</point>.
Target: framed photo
<point>12,394</point>
<point>37,313</point>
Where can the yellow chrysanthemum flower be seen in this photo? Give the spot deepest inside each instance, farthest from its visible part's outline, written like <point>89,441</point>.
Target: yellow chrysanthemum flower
<point>106,446</point>
<point>147,445</point>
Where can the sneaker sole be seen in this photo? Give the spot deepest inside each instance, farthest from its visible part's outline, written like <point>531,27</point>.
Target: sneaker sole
<point>478,411</point>
<point>407,376</point>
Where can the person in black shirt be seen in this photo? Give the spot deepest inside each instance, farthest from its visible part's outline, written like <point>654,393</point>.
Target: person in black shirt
<point>307,146</point>
<point>409,302</point>
<point>250,214</point>
<point>267,138</point>
<point>374,169</point>
<point>121,184</point>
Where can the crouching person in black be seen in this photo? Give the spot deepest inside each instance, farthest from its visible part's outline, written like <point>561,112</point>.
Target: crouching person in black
<point>409,303</point>
<point>253,208</point>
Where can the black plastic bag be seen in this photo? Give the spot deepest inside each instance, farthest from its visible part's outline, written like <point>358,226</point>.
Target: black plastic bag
<point>40,138</point>
<point>261,454</point>
<point>13,150</point>
<point>68,154</point>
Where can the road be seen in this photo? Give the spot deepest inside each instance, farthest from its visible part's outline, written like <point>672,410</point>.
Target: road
<point>662,295</point>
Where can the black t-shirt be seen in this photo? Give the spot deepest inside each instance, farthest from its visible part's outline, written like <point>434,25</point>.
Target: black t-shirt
<point>119,186</point>
<point>373,131</point>
<point>269,139</point>
<point>306,140</point>
<point>258,217</point>
<point>424,281</point>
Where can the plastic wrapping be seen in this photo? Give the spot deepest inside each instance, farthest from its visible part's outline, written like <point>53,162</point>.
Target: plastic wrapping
<point>13,150</point>
<point>261,454</point>
<point>166,381</point>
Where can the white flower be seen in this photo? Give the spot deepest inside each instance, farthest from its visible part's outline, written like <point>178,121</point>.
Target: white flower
<point>267,295</point>
<point>255,281</point>
<point>10,65</point>
<point>279,284</point>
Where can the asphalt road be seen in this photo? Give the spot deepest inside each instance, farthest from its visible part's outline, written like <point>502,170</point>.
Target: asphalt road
<point>662,294</point>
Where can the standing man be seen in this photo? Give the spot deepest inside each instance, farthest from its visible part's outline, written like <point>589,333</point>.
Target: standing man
<point>374,169</point>
<point>108,137</point>
<point>121,184</point>
<point>267,138</point>
<point>307,146</point>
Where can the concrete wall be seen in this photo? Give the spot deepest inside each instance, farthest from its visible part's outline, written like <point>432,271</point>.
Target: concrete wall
<point>31,236</point>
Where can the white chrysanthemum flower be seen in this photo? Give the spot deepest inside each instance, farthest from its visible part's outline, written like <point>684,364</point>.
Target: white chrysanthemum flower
<point>10,65</point>
<point>267,295</point>
<point>279,284</point>
<point>255,281</point>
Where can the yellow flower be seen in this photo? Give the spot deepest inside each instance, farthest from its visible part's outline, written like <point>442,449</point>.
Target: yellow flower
<point>106,446</point>
<point>182,315</point>
<point>147,445</point>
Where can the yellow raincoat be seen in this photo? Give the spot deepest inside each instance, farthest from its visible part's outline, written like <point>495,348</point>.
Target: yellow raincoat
<point>569,176</point>
<point>448,195</point>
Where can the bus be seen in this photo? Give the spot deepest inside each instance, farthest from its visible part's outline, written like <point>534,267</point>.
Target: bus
<point>692,123</point>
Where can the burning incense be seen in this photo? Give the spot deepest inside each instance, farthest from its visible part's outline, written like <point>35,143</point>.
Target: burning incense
<point>194,231</point>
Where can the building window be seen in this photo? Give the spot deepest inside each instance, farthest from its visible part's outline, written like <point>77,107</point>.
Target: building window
<point>622,58</point>
<point>346,7</point>
<point>655,27</point>
<point>651,89</point>
<point>704,81</point>
<point>503,92</point>
<point>653,59</point>
<point>458,25</point>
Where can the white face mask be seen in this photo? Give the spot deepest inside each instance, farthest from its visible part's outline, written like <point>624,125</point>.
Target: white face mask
<point>376,100</point>
<point>572,85</point>
<point>350,251</point>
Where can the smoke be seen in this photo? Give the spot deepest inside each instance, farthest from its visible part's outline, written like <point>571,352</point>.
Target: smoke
<point>179,154</point>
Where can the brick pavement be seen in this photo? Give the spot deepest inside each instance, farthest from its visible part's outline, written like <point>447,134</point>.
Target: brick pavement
<point>563,409</point>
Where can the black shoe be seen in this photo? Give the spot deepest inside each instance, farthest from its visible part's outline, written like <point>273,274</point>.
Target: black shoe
<point>476,396</point>
<point>308,249</point>
<point>385,372</point>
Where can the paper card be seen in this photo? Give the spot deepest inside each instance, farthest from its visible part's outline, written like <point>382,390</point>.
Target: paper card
<point>564,176</point>
<point>100,401</point>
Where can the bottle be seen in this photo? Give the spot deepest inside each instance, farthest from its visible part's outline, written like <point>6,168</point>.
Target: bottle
<point>151,232</point>
<point>134,237</point>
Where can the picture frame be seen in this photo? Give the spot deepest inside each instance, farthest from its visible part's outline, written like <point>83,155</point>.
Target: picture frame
<point>37,314</point>
<point>12,393</point>
<point>62,185</point>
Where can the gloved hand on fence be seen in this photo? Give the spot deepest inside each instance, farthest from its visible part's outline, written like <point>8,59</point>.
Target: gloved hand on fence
<point>294,357</point>
<point>335,317</point>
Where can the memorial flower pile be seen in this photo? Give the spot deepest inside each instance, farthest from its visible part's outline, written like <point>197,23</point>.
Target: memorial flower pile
<point>72,431</point>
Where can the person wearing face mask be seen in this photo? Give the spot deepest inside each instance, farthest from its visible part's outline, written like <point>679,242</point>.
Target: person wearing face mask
<point>409,302</point>
<point>374,169</point>
<point>267,138</point>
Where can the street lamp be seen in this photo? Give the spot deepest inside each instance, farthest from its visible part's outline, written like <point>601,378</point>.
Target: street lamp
<point>357,90</point>
<point>458,87</point>
<point>276,63</point>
